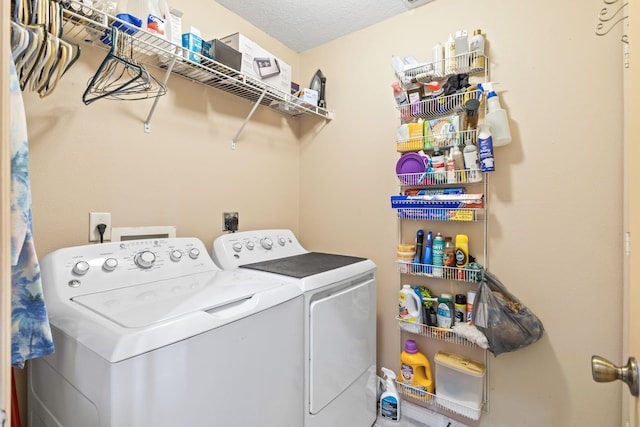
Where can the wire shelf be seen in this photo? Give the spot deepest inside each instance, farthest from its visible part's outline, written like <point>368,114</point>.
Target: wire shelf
<point>440,106</point>
<point>426,179</point>
<point>441,214</point>
<point>83,24</point>
<point>468,275</point>
<point>440,402</point>
<point>470,63</point>
<point>440,334</point>
<point>428,142</point>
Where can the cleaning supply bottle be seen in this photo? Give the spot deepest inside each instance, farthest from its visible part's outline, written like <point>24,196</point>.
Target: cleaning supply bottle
<point>409,309</point>
<point>496,116</point>
<point>390,400</point>
<point>438,249</point>
<point>451,168</point>
<point>450,66</point>
<point>471,161</point>
<point>462,255</point>
<point>427,254</point>
<point>445,311</point>
<point>419,243</point>
<point>415,371</point>
<point>449,258</point>
<point>399,94</point>
<point>437,56</point>
<point>456,154</point>
<point>460,306</point>
<point>476,45</point>
<point>485,141</point>
<point>437,162</point>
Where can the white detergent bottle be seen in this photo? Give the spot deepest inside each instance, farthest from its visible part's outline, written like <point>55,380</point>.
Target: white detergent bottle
<point>390,400</point>
<point>496,117</point>
<point>409,309</point>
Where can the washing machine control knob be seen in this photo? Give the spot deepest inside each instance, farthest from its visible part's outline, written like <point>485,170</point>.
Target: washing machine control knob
<point>175,255</point>
<point>145,259</point>
<point>81,268</point>
<point>237,246</point>
<point>266,243</point>
<point>281,241</point>
<point>194,253</point>
<point>250,245</point>
<point>110,264</point>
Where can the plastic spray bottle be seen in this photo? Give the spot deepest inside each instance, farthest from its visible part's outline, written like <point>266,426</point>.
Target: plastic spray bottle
<point>390,400</point>
<point>496,116</point>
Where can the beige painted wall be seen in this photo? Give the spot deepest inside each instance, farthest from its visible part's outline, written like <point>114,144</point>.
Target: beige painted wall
<point>555,198</point>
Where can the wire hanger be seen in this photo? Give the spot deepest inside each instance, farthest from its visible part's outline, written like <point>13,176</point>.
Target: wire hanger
<point>120,77</point>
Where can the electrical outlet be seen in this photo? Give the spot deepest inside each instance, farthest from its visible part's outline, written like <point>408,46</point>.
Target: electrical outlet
<point>96,218</point>
<point>230,221</point>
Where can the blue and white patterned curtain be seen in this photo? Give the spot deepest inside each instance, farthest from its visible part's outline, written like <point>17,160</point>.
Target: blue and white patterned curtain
<point>30,330</point>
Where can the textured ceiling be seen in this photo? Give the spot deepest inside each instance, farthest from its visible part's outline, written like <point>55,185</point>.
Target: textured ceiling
<point>305,24</point>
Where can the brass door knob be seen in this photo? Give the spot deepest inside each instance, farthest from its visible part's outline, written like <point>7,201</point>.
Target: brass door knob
<point>604,371</point>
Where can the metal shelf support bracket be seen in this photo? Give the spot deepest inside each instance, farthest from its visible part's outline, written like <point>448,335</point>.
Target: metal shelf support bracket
<point>253,110</point>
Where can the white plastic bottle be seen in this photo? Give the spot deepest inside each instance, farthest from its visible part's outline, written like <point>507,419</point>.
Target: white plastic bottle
<point>390,400</point>
<point>485,142</point>
<point>451,168</point>
<point>409,309</point>
<point>459,164</point>
<point>450,66</point>
<point>472,162</point>
<point>476,46</point>
<point>496,117</point>
<point>437,56</point>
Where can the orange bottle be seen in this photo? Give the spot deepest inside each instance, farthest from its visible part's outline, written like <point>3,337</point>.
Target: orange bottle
<point>415,371</point>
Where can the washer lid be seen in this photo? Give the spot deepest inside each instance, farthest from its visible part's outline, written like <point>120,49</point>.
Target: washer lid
<point>308,264</point>
<point>146,304</point>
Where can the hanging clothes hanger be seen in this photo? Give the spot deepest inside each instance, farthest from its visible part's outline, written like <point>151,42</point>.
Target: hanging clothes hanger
<point>120,77</point>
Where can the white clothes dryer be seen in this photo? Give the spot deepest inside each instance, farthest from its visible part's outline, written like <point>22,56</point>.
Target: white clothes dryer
<point>339,320</point>
<point>153,333</point>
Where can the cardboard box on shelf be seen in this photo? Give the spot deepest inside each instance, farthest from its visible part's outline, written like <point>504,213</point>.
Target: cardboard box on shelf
<point>192,41</point>
<point>222,53</point>
<point>259,63</point>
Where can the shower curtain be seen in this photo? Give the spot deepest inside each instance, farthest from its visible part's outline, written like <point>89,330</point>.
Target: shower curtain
<point>30,330</point>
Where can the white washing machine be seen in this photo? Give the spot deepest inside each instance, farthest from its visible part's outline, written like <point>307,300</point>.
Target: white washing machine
<point>153,333</point>
<point>339,320</point>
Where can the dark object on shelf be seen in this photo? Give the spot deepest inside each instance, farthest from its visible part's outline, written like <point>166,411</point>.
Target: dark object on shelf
<point>318,83</point>
<point>507,323</point>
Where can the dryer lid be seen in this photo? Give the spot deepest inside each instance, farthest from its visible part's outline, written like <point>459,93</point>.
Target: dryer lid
<point>150,303</point>
<point>304,265</point>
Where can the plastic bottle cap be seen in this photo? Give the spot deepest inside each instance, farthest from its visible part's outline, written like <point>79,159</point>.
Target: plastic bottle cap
<point>445,296</point>
<point>411,347</point>
<point>461,299</point>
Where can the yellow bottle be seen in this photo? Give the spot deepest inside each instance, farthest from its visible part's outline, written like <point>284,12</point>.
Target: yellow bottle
<point>415,371</point>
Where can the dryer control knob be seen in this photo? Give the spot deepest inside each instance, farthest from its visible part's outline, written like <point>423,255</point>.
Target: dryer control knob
<point>281,241</point>
<point>110,264</point>
<point>145,259</point>
<point>237,246</point>
<point>266,243</point>
<point>175,255</point>
<point>194,253</point>
<point>81,268</point>
<point>250,245</point>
